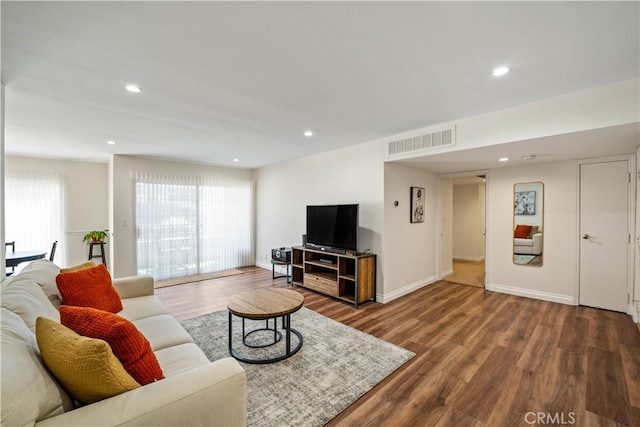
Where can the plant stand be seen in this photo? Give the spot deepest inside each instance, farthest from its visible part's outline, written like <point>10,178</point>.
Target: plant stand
<point>100,245</point>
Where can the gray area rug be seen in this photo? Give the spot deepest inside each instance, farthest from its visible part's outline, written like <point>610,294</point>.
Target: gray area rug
<point>335,366</point>
<point>523,259</point>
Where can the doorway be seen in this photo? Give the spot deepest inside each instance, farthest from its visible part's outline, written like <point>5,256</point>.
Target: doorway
<point>605,234</point>
<point>468,226</point>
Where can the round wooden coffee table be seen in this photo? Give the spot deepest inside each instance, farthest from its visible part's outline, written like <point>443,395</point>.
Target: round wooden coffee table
<point>266,304</point>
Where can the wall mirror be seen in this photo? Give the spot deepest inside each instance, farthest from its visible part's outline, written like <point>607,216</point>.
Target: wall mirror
<point>528,221</point>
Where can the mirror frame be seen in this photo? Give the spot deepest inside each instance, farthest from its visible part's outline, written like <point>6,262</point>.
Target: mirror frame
<point>538,207</point>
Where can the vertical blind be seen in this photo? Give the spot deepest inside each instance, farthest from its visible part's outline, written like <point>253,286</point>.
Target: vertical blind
<point>33,211</point>
<point>190,225</point>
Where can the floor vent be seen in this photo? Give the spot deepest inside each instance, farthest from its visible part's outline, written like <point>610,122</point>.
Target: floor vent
<point>443,138</point>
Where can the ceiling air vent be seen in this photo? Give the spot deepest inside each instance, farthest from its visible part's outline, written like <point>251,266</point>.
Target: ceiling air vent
<point>443,138</point>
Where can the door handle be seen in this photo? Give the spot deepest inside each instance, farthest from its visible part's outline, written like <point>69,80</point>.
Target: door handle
<point>586,236</point>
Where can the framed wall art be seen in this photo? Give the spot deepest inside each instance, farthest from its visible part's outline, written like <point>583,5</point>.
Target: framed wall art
<point>417,204</point>
<point>524,203</point>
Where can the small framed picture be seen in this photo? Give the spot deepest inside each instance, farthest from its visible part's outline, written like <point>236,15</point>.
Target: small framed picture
<point>524,203</point>
<point>417,204</point>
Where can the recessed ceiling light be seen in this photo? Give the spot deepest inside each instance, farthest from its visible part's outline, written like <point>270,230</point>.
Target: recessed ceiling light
<point>308,133</point>
<point>133,88</point>
<point>236,160</point>
<point>111,142</point>
<point>529,157</point>
<point>500,71</point>
<point>503,159</point>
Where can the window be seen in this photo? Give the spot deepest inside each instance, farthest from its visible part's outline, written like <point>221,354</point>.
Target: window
<point>34,211</point>
<point>192,225</point>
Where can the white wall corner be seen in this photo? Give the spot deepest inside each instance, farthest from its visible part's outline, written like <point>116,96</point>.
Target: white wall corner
<point>385,298</point>
<point>446,273</point>
<point>531,293</point>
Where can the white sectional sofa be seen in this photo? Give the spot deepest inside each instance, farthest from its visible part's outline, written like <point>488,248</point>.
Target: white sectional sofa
<point>532,246</point>
<point>195,391</point>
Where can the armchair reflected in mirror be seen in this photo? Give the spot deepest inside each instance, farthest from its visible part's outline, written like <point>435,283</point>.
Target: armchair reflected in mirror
<point>528,221</point>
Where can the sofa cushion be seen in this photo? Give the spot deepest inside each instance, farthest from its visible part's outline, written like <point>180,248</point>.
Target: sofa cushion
<point>29,392</point>
<point>163,331</point>
<point>523,242</point>
<point>90,287</point>
<point>181,358</point>
<point>86,367</point>
<point>534,230</point>
<point>127,343</point>
<point>141,307</point>
<point>44,273</point>
<point>27,299</point>
<point>522,231</point>
<point>83,266</point>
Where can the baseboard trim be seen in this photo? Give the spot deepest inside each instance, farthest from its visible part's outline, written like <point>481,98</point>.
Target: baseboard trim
<point>446,273</point>
<point>529,293</point>
<point>472,259</point>
<point>385,298</point>
<point>268,266</point>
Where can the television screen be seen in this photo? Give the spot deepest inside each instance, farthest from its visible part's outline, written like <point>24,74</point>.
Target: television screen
<point>333,226</point>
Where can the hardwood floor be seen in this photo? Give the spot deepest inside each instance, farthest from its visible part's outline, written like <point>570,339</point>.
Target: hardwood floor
<point>482,358</point>
<point>467,273</point>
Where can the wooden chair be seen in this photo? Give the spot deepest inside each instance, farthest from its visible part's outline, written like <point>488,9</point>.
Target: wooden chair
<point>9,271</point>
<point>53,251</point>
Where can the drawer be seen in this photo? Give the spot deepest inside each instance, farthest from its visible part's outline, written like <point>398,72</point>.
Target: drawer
<point>321,284</point>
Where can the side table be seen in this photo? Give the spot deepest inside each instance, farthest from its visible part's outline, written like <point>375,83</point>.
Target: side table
<point>287,266</point>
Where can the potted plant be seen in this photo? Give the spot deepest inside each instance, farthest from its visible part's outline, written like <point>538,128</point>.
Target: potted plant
<point>95,236</point>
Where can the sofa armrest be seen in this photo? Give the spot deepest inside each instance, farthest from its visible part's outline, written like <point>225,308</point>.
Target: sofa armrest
<point>537,243</point>
<point>209,395</point>
<point>134,286</point>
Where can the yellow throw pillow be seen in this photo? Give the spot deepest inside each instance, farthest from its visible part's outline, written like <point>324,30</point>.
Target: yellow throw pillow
<point>83,266</point>
<point>85,367</point>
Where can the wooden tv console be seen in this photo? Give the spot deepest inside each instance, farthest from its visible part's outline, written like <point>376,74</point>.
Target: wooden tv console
<point>348,277</point>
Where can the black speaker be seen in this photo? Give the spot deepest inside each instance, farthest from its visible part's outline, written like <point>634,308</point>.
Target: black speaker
<point>281,254</point>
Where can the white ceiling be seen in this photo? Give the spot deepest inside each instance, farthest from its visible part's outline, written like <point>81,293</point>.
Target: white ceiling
<point>225,80</point>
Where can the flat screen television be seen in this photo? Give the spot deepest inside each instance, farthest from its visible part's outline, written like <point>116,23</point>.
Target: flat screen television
<point>332,227</point>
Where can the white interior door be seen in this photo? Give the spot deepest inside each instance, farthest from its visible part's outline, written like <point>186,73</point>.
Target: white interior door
<point>604,235</point>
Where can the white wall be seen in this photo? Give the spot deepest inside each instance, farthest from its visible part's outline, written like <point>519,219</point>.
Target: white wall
<point>122,203</point>
<point>468,222</point>
<point>85,200</point>
<point>411,259</point>
<point>446,227</point>
<point>557,279</point>
<point>2,238</point>
<point>604,106</point>
<point>349,175</point>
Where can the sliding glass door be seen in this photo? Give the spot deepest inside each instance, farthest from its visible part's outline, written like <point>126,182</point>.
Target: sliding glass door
<point>192,225</point>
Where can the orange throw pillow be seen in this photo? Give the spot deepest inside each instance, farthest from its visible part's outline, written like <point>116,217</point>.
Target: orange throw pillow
<point>90,287</point>
<point>127,343</point>
<point>522,231</point>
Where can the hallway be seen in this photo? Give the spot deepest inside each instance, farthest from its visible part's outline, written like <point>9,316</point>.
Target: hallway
<point>469,273</point>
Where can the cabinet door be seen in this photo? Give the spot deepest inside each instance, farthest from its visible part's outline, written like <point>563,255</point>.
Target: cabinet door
<point>321,284</point>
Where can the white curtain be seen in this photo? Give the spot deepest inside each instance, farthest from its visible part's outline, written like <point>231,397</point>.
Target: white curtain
<point>190,225</point>
<point>33,212</point>
<point>226,224</point>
